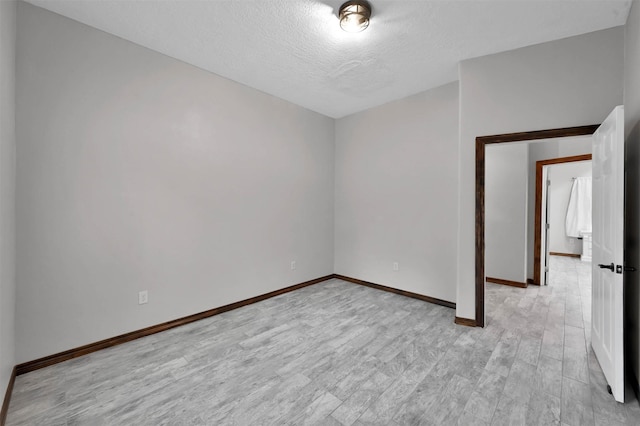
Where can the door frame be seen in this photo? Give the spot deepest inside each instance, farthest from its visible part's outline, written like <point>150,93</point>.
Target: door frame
<point>537,241</point>
<point>481,142</point>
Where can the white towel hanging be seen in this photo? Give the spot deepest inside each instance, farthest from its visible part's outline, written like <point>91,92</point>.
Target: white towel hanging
<point>579,210</point>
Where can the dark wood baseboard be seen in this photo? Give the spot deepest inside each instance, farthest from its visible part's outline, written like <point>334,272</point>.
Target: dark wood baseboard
<point>555,253</point>
<point>531,281</point>
<point>123,338</point>
<point>506,282</point>
<point>7,397</point>
<point>397,291</point>
<point>465,321</point>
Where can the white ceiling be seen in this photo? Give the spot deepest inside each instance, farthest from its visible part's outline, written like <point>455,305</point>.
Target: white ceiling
<point>295,49</point>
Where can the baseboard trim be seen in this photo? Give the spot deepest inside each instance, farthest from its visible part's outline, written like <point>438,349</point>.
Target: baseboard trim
<point>7,397</point>
<point>39,363</point>
<point>123,338</point>
<point>397,291</point>
<point>531,281</point>
<point>465,321</point>
<point>506,282</point>
<point>555,253</point>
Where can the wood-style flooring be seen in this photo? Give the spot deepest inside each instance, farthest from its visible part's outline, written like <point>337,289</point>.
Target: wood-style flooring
<point>337,353</point>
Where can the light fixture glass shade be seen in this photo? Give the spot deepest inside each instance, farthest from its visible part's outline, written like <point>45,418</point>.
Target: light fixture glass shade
<point>354,16</point>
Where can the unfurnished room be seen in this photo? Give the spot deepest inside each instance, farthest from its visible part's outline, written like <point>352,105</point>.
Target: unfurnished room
<point>319,212</point>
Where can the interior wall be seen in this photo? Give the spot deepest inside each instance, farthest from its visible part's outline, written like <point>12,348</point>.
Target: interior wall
<point>505,203</point>
<point>632,163</point>
<point>561,178</point>
<point>396,195</point>
<point>7,190</point>
<point>570,82</point>
<point>125,95</point>
<point>547,150</point>
<point>139,172</point>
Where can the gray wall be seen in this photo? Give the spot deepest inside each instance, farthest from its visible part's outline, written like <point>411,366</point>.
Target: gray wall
<point>632,213</point>
<point>138,172</point>
<point>570,82</point>
<point>506,211</point>
<point>546,150</point>
<point>396,197</point>
<point>7,188</point>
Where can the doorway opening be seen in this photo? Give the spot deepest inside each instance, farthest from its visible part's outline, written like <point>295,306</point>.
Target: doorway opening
<point>542,246</point>
<point>481,143</point>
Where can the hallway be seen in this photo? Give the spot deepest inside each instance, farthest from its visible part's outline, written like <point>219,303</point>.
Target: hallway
<point>554,325</point>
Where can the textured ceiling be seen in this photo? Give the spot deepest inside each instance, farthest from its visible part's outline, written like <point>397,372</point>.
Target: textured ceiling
<point>295,49</point>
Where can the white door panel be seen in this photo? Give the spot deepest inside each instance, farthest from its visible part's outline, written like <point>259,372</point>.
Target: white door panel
<point>608,219</point>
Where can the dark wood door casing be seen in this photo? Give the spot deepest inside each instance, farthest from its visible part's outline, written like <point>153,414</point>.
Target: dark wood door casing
<point>537,241</point>
<point>481,143</point>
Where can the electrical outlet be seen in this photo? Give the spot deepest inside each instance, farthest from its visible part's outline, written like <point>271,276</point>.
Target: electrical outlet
<point>293,265</point>
<point>396,267</point>
<point>143,297</point>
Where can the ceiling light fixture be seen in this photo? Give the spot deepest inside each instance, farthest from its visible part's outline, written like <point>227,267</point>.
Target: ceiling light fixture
<point>354,16</point>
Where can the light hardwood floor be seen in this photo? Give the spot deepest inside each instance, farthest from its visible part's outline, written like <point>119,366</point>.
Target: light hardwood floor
<point>340,354</point>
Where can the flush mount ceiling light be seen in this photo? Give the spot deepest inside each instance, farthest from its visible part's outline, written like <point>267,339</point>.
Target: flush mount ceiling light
<point>354,16</point>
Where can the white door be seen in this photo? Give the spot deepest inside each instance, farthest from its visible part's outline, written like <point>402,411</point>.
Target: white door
<point>544,220</point>
<point>608,217</point>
